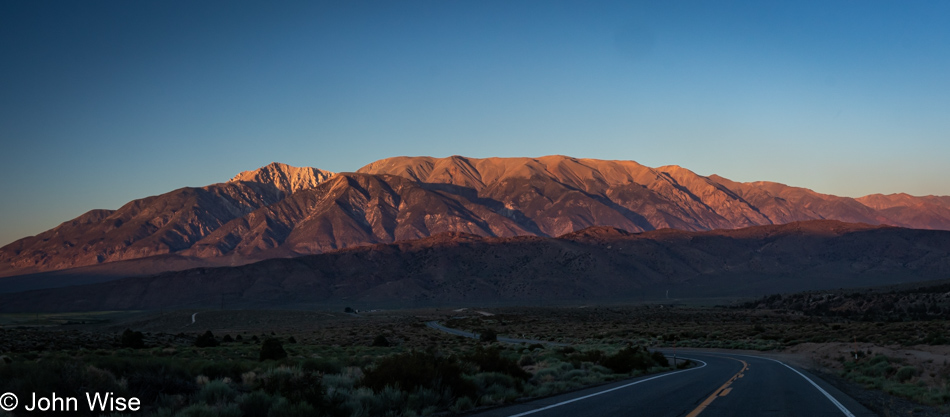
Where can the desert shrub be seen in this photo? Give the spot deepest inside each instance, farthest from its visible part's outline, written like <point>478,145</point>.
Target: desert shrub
<point>130,339</point>
<point>285,408</point>
<point>322,365</point>
<point>224,369</point>
<point>272,349</point>
<point>366,402</point>
<point>593,356</point>
<point>526,360</point>
<point>413,370</point>
<point>424,398</point>
<point>206,340</point>
<point>490,360</point>
<point>487,336</point>
<point>148,377</point>
<point>659,359</point>
<point>294,384</point>
<point>628,359</point>
<point>463,404</point>
<point>936,338</point>
<point>337,382</point>
<point>216,392</point>
<point>228,339</point>
<point>905,373</point>
<point>205,410</point>
<point>291,340</point>
<point>380,341</point>
<point>255,404</point>
<point>497,388</point>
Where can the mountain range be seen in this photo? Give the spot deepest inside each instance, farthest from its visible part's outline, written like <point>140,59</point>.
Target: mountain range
<point>279,211</point>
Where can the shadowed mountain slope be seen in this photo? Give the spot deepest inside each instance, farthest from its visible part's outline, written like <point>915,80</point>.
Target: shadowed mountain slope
<point>596,264</point>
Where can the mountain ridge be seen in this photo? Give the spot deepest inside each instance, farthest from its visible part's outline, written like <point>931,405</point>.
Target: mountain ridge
<point>279,210</point>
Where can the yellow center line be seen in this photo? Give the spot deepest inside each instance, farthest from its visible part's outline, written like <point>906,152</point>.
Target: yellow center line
<point>724,389</point>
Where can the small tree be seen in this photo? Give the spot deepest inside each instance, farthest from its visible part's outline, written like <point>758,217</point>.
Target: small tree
<point>206,340</point>
<point>380,341</point>
<point>488,336</point>
<point>272,349</point>
<point>134,340</point>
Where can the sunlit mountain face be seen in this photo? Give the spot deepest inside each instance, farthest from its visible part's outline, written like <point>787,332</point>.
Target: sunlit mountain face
<point>284,211</point>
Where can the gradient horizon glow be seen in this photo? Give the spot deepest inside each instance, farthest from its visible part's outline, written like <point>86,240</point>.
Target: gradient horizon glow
<point>102,102</point>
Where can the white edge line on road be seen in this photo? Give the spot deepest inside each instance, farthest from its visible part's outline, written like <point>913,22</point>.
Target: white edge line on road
<point>834,401</point>
<point>606,391</point>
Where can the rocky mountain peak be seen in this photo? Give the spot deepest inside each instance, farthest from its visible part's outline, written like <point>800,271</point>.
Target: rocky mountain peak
<point>286,178</point>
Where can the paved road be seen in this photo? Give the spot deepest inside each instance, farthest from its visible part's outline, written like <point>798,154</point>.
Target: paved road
<point>723,385</point>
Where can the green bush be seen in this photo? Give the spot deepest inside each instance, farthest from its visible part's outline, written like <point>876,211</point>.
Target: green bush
<point>905,373</point>
<point>413,370</point>
<point>148,377</point>
<point>285,408</point>
<point>272,349</point>
<point>205,410</point>
<point>487,336</point>
<point>134,340</point>
<point>220,369</point>
<point>490,360</point>
<point>463,404</point>
<point>294,384</point>
<point>216,392</point>
<point>380,341</point>
<point>206,340</point>
<point>322,365</point>
<point>593,356</point>
<point>256,404</point>
<point>628,359</point>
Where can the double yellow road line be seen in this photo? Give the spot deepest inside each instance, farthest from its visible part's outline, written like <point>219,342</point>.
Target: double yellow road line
<point>721,391</point>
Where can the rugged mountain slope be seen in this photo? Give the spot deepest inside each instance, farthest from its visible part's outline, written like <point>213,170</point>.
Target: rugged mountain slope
<point>280,211</point>
<point>562,194</point>
<point>589,265</point>
<point>351,210</point>
<point>929,212</point>
<point>151,226</point>
<point>653,198</point>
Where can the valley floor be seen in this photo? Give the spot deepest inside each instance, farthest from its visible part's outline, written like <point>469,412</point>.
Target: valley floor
<point>896,371</point>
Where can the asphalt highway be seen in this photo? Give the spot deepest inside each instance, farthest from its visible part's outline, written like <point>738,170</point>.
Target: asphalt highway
<point>721,385</point>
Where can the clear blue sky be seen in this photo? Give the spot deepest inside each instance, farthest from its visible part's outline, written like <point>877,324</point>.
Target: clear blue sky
<point>102,102</point>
